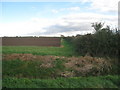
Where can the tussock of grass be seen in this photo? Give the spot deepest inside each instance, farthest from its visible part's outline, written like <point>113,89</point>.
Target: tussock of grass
<point>75,82</point>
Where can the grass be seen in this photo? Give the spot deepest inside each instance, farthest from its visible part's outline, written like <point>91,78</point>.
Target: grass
<point>67,50</point>
<point>29,74</point>
<point>74,82</point>
<point>31,69</point>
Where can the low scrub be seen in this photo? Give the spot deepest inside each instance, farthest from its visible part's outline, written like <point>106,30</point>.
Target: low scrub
<point>35,66</point>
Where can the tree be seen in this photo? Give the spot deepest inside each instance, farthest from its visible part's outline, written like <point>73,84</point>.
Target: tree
<point>97,26</point>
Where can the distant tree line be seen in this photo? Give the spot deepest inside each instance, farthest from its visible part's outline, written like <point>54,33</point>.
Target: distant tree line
<point>104,42</point>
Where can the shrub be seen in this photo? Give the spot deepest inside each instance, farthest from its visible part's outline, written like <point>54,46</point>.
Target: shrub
<point>102,43</point>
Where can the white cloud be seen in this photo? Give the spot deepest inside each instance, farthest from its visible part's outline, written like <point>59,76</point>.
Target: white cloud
<point>74,23</point>
<point>66,9</point>
<point>70,9</point>
<point>73,8</point>
<point>25,27</point>
<point>103,5</point>
<point>77,23</point>
<point>55,11</point>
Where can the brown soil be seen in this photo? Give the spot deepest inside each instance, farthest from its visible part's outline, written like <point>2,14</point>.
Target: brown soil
<point>31,41</point>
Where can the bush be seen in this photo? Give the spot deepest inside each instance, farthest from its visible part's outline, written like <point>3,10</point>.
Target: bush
<point>103,43</point>
<point>84,44</point>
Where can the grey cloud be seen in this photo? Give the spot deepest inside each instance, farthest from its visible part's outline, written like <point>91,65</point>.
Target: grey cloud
<point>72,26</point>
<point>57,28</point>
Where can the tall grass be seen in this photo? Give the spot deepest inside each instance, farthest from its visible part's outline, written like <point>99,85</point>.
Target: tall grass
<point>31,69</point>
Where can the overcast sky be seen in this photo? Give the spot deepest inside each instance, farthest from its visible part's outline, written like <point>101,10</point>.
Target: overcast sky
<point>55,18</point>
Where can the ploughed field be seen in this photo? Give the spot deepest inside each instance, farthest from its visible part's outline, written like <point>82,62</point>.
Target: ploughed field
<point>55,67</point>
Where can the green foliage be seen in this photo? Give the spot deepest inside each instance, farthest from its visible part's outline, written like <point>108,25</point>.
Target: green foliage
<point>97,26</point>
<point>19,68</point>
<point>104,42</point>
<point>74,82</point>
<point>83,44</point>
<point>31,69</point>
<point>68,39</point>
<point>59,64</point>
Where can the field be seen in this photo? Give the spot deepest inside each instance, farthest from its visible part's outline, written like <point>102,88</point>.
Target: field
<point>55,67</point>
<point>66,49</point>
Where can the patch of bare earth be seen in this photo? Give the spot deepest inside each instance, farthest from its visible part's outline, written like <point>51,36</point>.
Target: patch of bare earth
<point>75,66</point>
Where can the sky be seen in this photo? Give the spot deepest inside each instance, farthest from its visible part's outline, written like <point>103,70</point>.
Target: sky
<point>55,18</point>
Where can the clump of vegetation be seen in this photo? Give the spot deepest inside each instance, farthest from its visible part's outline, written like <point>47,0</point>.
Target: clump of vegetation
<point>33,68</point>
<point>54,66</point>
<point>104,42</point>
